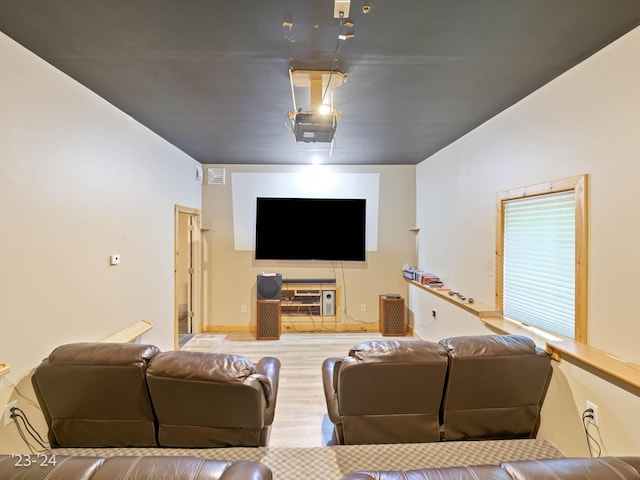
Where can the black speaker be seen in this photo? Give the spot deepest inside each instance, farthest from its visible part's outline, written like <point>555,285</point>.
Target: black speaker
<point>269,286</point>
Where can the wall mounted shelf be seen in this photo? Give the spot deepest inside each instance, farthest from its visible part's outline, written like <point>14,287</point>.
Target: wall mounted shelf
<point>479,309</point>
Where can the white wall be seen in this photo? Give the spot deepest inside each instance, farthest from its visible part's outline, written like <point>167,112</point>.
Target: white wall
<point>586,121</point>
<point>79,181</point>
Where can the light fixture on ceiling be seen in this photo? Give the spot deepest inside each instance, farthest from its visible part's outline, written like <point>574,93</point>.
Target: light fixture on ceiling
<point>318,123</point>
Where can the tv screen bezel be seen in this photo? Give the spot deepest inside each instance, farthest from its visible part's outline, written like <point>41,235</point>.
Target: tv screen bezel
<point>356,252</point>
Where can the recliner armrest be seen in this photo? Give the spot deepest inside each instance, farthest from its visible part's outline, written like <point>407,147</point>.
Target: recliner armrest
<point>269,367</point>
<point>328,371</point>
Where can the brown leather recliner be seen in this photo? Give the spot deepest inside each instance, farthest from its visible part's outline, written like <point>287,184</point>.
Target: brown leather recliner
<point>213,400</point>
<point>51,467</point>
<point>386,391</point>
<point>95,395</point>
<point>495,387</point>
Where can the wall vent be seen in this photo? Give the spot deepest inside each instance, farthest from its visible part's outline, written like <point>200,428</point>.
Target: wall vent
<point>216,176</point>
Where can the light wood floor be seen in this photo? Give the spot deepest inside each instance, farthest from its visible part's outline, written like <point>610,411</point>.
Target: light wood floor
<point>301,413</point>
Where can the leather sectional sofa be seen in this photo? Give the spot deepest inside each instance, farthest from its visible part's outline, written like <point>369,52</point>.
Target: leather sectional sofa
<point>461,388</point>
<point>606,468</point>
<point>132,395</point>
<point>129,468</point>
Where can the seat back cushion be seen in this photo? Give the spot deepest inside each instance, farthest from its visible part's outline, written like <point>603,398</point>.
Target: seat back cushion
<point>180,468</point>
<point>95,395</point>
<point>472,472</point>
<point>495,387</point>
<point>207,400</point>
<point>390,391</point>
<point>606,468</point>
<point>49,467</point>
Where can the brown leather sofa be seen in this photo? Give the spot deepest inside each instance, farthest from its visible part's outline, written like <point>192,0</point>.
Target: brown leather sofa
<point>129,468</point>
<point>405,391</point>
<point>606,468</point>
<point>495,387</point>
<point>95,395</point>
<point>213,400</point>
<point>131,395</point>
<point>386,392</point>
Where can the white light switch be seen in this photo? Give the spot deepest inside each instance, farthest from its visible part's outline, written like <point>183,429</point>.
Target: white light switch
<point>114,259</point>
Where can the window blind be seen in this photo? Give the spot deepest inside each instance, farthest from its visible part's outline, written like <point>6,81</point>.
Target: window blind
<point>539,261</point>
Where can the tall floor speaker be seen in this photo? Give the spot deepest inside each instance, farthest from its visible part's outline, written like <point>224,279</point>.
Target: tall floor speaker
<point>392,316</point>
<point>268,320</point>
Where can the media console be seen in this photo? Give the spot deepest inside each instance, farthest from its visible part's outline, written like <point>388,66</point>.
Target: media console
<point>309,300</point>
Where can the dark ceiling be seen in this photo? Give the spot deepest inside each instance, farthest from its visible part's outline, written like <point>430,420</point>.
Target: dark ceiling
<point>212,77</point>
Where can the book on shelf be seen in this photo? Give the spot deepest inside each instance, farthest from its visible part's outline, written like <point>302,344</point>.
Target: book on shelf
<point>426,278</point>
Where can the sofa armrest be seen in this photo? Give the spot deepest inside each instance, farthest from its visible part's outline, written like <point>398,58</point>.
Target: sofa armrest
<point>270,368</point>
<point>328,372</point>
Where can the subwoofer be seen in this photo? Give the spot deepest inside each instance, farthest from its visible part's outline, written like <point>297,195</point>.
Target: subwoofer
<point>268,320</point>
<point>392,316</point>
<point>269,286</point>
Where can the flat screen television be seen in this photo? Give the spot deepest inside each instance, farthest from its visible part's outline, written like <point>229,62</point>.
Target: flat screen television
<point>310,229</point>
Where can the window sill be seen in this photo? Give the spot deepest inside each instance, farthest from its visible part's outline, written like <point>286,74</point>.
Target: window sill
<point>615,370</point>
<point>596,359</point>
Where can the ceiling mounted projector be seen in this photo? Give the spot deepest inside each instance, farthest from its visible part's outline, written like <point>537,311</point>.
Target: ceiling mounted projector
<point>318,124</point>
<point>314,127</point>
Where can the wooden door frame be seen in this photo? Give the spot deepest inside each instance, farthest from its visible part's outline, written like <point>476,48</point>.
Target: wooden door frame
<point>196,286</point>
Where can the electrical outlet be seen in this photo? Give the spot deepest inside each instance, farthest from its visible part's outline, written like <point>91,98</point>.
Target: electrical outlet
<point>7,412</point>
<point>363,307</point>
<point>596,418</point>
<point>243,308</point>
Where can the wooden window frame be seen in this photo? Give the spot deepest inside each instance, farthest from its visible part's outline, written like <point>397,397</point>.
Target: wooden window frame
<point>579,184</point>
